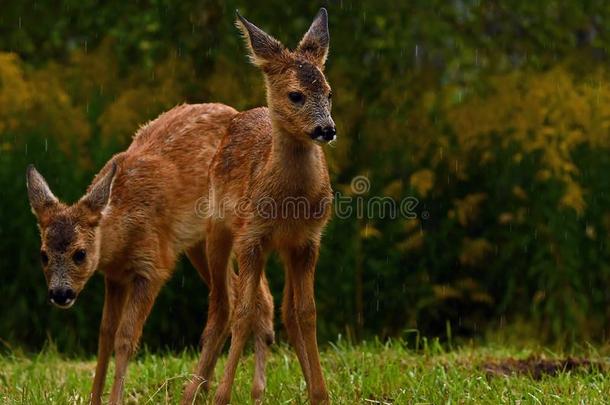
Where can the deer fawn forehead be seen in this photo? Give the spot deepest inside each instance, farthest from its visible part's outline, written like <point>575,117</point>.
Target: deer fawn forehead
<point>60,234</point>
<point>311,77</point>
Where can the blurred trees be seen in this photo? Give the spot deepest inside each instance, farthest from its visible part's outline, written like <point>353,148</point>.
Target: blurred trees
<point>495,115</point>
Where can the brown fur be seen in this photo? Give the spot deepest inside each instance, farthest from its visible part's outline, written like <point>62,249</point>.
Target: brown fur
<point>268,156</point>
<point>138,216</point>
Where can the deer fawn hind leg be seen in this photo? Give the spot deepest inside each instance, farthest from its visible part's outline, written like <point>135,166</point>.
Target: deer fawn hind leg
<point>197,257</point>
<point>251,260</point>
<point>114,299</point>
<point>219,243</point>
<point>263,337</point>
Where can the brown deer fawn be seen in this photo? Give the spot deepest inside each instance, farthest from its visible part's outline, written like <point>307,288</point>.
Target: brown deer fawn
<point>138,216</point>
<point>270,190</point>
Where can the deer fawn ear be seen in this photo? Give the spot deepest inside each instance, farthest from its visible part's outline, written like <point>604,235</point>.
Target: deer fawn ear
<point>263,47</point>
<point>40,195</point>
<point>316,40</point>
<point>99,194</point>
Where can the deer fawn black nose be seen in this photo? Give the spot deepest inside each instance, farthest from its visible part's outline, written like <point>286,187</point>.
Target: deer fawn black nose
<point>327,133</point>
<point>61,296</point>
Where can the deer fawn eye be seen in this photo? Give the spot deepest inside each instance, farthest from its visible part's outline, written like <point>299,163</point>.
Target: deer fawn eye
<point>296,97</point>
<point>79,256</point>
<point>44,258</point>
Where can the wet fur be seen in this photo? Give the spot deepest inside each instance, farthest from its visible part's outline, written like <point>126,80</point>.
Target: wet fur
<point>268,155</point>
<point>138,215</point>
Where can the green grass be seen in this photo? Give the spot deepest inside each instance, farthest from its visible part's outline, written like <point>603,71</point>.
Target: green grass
<point>364,374</point>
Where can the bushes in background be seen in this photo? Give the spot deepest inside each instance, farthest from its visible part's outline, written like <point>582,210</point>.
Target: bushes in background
<point>497,127</point>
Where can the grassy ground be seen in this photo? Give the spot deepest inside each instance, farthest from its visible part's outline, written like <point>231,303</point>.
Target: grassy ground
<point>365,374</point>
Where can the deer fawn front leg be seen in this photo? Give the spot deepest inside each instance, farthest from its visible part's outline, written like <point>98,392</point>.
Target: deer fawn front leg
<point>113,305</point>
<point>302,270</point>
<point>289,317</point>
<point>251,261</point>
<point>140,298</point>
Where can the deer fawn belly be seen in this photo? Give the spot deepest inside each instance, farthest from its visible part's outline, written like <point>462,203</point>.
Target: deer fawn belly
<point>188,227</point>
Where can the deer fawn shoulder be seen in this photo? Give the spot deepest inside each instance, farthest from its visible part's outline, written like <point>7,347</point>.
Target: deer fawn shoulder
<point>270,191</point>
<point>137,217</point>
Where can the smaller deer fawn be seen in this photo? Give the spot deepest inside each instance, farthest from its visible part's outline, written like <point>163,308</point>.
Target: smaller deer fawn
<point>270,190</point>
<point>137,217</point>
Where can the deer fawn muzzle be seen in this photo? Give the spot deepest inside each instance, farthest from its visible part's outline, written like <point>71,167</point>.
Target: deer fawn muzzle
<point>137,217</point>
<point>270,158</point>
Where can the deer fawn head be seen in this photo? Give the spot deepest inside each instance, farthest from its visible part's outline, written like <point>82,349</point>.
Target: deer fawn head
<point>298,96</point>
<point>70,235</point>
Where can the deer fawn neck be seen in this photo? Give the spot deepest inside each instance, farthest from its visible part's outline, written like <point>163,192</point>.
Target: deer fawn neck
<point>112,238</point>
<point>293,161</point>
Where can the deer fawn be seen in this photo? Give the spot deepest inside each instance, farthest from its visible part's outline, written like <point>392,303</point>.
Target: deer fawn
<point>137,217</point>
<point>270,190</point>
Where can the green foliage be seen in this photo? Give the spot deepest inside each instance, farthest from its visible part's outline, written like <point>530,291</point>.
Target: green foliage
<point>495,115</point>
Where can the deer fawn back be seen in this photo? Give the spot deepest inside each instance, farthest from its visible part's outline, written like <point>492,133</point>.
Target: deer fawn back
<point>270,191</point>
<point>137,217</point>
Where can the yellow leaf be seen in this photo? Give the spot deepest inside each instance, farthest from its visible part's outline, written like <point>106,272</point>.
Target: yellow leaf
<point>369,232</point>
<point>422,181</point>
<point>475,251</point>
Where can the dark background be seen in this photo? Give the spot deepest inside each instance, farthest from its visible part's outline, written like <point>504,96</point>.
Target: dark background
<point>495,115</point>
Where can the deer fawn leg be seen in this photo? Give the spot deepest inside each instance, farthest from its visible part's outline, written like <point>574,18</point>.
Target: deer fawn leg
<point>263,335</point>
<point>218,246</point>
<point>251,262</point>
<point>289,317</point>
<point>140,299</point>
<point>302,278</point>
<point>114,299</point>
<point>196,255</point>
